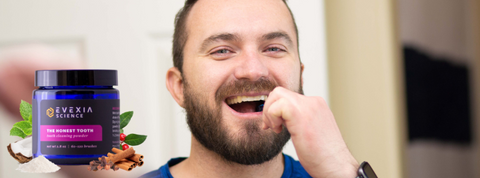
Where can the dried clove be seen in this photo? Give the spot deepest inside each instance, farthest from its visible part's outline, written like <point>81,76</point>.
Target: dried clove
<point>115,167</point>
<point>94,165</point>
<point>104,163</point>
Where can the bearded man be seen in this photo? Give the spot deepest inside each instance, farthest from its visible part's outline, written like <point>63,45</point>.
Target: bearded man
<point>238,74</point>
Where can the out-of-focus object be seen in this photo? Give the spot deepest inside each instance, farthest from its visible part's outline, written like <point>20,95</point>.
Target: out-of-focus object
<point>17,69</point>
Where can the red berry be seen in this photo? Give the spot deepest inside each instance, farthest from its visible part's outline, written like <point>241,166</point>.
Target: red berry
<point>122,137</point>
<point>125,146</point>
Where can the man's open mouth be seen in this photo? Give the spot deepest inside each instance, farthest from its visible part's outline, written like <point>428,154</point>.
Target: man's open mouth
<point>247,104</point>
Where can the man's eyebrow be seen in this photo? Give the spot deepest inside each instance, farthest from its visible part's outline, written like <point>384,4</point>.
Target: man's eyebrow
<point>218,37</point>
<point>276,35</point>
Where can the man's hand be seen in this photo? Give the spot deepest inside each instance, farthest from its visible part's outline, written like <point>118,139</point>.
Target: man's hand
<point>315,135</point>
<point>17,71</point>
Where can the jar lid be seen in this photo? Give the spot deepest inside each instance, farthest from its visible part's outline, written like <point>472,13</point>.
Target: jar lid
<point>81,77</point>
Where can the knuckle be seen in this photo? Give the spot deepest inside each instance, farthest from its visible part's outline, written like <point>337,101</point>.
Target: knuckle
<point>270,112</point>
<point>319,100</point>
<point>277,89</point>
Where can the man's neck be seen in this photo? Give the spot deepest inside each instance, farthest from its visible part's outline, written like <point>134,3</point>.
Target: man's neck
<point>205,163</point>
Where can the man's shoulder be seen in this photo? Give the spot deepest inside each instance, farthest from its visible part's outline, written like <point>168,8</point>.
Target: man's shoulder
<point>155,173</point>
<point>164,171</point>
<point>293,168</point>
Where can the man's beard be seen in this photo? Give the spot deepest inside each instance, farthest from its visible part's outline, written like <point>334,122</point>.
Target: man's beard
<point>251,145</point>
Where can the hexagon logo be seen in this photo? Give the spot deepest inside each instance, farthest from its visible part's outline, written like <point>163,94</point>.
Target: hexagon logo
<point>50,112</point>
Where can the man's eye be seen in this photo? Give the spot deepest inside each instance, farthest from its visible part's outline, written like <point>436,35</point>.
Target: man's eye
<point>274,49</point>
<point>222,51</point>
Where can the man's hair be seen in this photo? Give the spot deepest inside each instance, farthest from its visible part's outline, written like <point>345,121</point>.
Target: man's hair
<point>180,33</point>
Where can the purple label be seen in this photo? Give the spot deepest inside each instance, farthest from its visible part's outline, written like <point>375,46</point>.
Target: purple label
<point>70,133</point>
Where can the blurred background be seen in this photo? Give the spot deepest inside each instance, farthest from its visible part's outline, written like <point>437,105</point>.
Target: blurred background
<point>401,76</point>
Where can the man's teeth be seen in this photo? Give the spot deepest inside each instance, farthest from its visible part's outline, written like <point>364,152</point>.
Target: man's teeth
<point>239,99</point>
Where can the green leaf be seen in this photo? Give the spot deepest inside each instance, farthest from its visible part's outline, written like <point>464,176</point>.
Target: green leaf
<point>30,119</point>
<point>24,127</point>
<point>125,118</point>
<point>15,131</point>
<point>26,111</point>
<point>121,147</point>
<point>121,130</point>
<point>28,131</point>
<point>135,139</point>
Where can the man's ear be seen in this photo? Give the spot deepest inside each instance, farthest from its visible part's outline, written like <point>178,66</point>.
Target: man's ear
<point>301,73</point>
<point>174,83</point>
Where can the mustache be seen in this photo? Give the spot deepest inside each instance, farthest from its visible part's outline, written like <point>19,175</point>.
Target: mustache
<point>244,86</point>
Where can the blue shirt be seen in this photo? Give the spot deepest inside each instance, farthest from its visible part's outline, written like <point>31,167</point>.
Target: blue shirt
<point>293,169</point>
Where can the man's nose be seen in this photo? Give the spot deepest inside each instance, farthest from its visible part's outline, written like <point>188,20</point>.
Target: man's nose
<point>251,66</point>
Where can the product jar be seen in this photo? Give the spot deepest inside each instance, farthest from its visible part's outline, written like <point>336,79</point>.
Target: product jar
<point>76,115</point>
